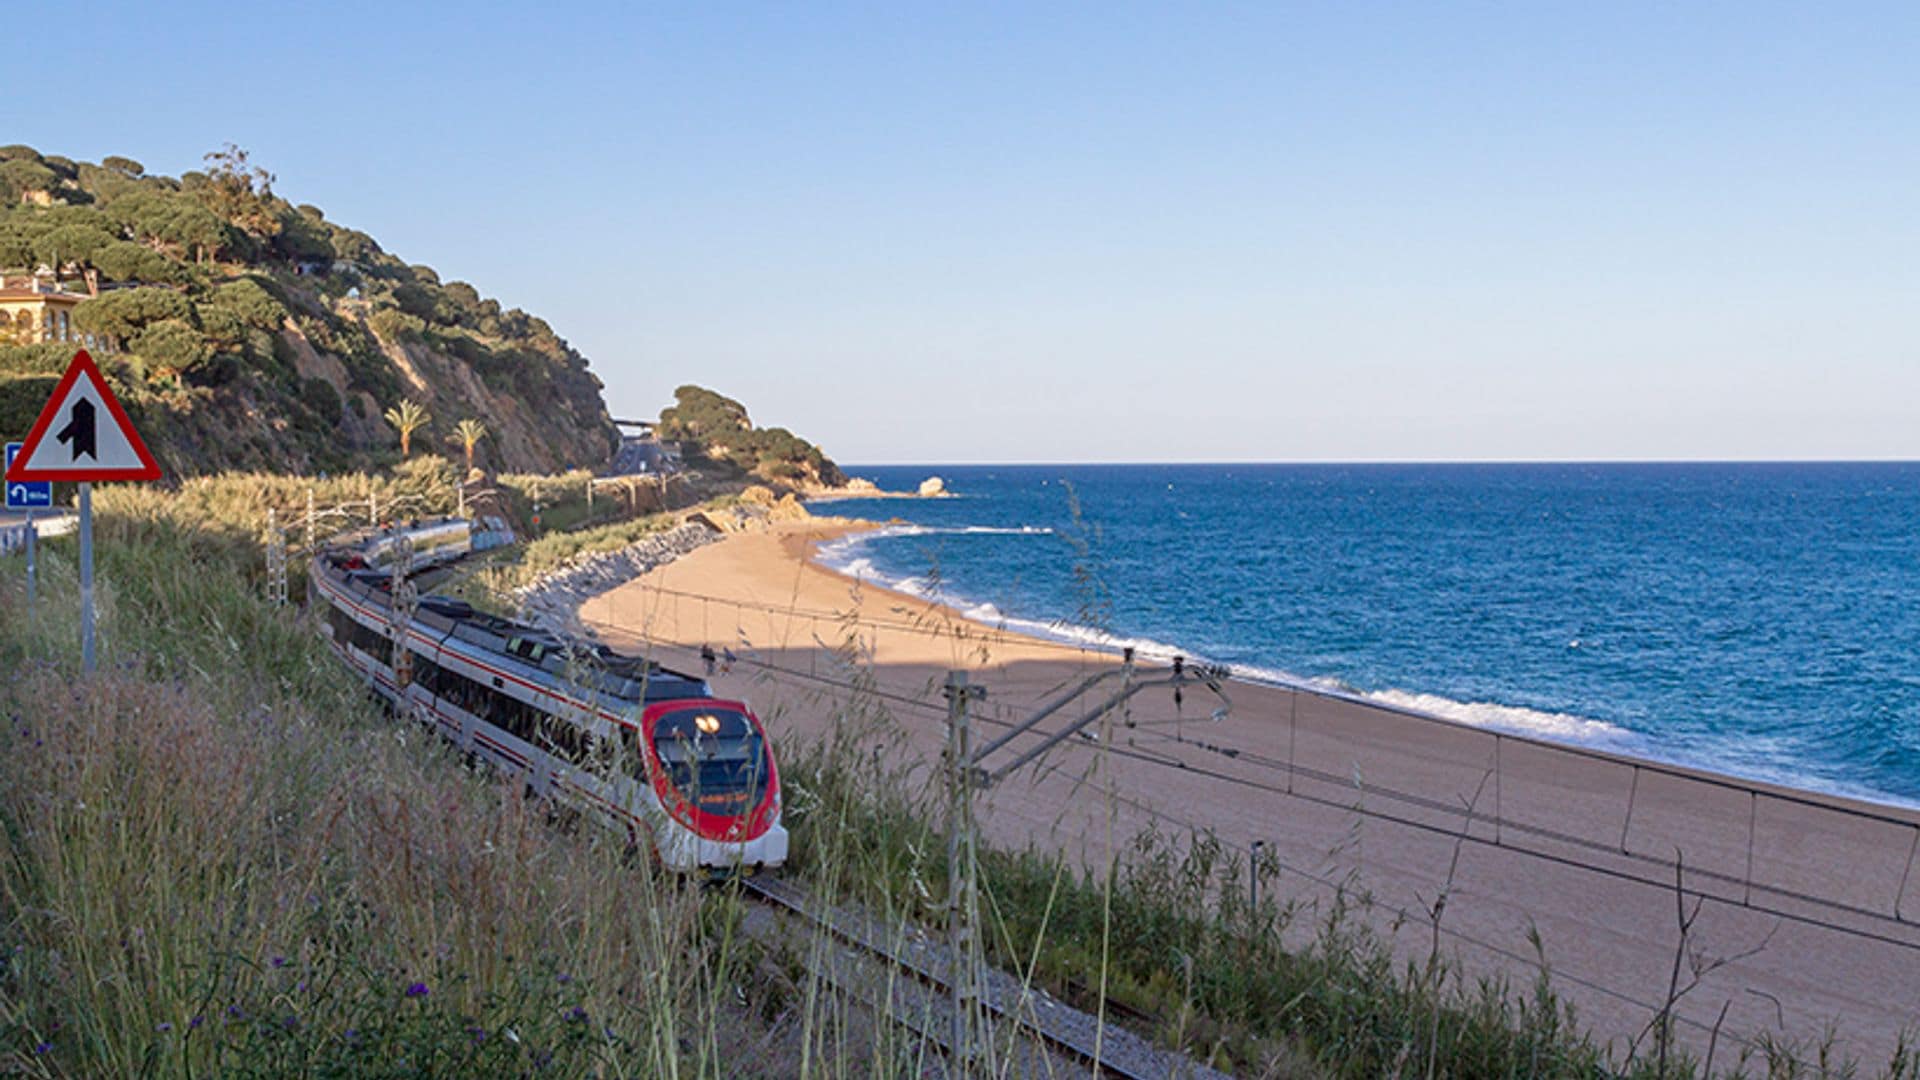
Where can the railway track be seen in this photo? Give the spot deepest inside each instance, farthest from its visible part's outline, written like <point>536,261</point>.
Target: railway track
<point>920,1000</point>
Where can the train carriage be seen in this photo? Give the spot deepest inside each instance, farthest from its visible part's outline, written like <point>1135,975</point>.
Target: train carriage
<point>635,745</point>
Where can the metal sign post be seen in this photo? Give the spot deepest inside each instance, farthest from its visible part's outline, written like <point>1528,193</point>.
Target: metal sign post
<point>86,575</point>
<point>33,537</point>
<point>81,435</point>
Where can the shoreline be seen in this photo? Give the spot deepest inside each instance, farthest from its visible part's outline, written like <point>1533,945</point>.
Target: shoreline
<point>1357,801</point>
<point>1151,650</point>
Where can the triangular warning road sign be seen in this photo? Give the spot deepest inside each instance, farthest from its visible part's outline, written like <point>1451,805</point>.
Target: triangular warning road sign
<point>92,437</point>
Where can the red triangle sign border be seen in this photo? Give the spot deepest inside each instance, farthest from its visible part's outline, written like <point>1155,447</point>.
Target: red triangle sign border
<point>82,365</point>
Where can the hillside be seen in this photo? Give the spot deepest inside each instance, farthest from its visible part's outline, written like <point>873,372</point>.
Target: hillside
<point>246,332</point>
<point>719,438</point>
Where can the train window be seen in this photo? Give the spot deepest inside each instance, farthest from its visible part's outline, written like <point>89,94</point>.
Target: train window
<point>566,739</point>
<point>431,676</point>
<point>632,761</point>
<point>466,693</point>
<point>714,757</point>
<point>350,631</point>
<point>527,648</point>
<point>515,715</point>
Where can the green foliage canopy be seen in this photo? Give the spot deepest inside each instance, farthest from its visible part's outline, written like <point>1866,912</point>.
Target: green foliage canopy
<point>123,314</point>
<point>171,345</point>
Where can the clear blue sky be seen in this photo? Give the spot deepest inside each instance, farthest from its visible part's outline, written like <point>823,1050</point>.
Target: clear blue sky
<point>1112,232</point>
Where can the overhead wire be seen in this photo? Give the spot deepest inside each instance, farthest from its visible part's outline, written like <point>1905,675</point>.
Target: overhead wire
<point>1134,753</point>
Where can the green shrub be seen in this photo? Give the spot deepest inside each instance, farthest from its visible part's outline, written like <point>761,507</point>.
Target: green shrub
<point>320,396</point>
<point>47,358</point>
<point>171,345</point>
<point>396,326</point>
<point>21,399</point>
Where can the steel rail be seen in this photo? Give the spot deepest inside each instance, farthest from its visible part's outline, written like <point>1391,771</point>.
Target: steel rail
<point>1103,1046</point>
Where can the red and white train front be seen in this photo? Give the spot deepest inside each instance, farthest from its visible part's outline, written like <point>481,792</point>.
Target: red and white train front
<point>714,775</point>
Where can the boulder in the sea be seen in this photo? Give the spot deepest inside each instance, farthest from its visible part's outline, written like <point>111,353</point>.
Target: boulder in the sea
<point>861,485</point>
<point>932,487</point>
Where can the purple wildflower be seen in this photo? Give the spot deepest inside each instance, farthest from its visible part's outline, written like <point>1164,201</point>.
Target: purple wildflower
<point>301,986</point>
<point>479,1034</point>
<point>163,1027</point>
<point>196,1022</point>
<point>279,961</point>
<point>576,1014</point>
<point>43,1048</point>
<point>235,1012</point>
<point>563,978</point>
<point>418,989</point>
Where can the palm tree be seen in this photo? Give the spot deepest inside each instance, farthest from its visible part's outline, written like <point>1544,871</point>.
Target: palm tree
<point>407,418</point>
<point>467,433</point>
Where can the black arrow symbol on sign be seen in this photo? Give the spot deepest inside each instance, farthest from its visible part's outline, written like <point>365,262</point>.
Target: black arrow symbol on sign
<point>79,431</point>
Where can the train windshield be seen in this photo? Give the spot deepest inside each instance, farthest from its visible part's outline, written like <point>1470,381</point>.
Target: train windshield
<point>717,758</point>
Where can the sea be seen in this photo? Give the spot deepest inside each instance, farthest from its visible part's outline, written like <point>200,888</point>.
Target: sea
<point>1761,620</point>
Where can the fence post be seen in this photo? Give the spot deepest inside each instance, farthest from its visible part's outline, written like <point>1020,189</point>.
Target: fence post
<point>1293,732</point>
<point>1902,894</point>
<point>1499,805</point>
<point>1632,794</point>
<point>1753,819</point>
<point>1253,878</point>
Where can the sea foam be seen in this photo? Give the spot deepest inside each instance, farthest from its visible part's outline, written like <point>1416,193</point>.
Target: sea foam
<point>847,556</point>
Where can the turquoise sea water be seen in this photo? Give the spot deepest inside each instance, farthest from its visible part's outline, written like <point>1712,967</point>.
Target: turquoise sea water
<point>1760,619</point>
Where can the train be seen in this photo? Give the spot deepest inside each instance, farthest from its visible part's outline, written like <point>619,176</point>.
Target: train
<point>627,742</point>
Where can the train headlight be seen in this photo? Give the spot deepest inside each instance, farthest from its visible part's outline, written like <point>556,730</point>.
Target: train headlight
<point>708,723</point>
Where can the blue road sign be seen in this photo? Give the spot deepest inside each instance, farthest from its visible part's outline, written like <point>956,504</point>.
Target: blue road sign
<point>26,495</point>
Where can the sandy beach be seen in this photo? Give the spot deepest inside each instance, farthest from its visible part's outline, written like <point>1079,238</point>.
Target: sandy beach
<point>1809,899</point>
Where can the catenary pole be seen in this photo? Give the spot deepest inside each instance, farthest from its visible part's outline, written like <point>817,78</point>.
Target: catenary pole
<point>971,1045</point>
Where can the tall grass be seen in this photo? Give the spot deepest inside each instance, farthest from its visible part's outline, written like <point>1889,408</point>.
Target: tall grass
<point>1268,989</point>
<point>223,859</point>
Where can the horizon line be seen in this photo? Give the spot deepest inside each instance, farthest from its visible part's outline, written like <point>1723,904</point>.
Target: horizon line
<point>1397,461</point>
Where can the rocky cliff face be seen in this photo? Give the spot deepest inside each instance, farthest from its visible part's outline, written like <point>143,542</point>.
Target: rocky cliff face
<point>245,332</point>
<point>325,418</point>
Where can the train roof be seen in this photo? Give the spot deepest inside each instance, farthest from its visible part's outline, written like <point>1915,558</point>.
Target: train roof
<point>589,665</point>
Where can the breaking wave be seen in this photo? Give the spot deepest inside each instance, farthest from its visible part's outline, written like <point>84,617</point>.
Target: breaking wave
<point>847,556</point>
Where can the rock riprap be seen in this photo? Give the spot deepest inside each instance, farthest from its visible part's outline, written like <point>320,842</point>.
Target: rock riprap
<point>553,599</point>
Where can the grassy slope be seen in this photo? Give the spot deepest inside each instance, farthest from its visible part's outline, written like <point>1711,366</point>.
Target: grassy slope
<point>222,857</point>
